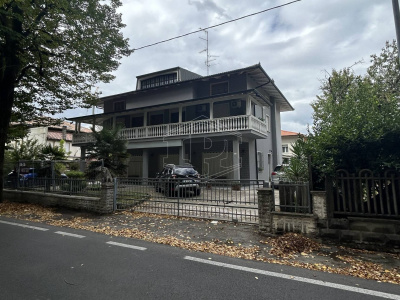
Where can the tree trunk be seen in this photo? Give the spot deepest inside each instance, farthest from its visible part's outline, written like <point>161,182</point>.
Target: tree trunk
<point>6,102</point>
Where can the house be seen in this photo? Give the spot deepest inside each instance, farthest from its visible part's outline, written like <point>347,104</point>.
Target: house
<point>288,139</point>
<point>226,125</point>
<point>53,134</point>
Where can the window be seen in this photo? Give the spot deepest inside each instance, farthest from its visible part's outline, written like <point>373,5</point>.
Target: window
<point>137,121</point>
<point>119,106</point>
<point>158,80</point>
<point>267,120</point>
<point>285,148</point>
<point>219,88</point>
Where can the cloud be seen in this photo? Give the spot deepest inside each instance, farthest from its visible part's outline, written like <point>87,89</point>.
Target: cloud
<point>295,44</point>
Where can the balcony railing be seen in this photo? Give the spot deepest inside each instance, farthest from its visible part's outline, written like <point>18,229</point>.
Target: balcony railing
<point>229,124</point>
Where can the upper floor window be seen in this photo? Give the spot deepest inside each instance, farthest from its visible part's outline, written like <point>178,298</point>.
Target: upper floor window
<point>158,80</point>
<point>219,88</point>
<point>285,148</point>
<point>119,106</point>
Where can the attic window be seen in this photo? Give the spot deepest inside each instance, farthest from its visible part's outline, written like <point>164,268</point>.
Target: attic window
<point>119,106</point>
<point>158,80</point>
<point>219,88</point>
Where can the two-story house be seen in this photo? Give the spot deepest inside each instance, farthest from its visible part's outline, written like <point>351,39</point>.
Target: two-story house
<point>226,125</point>
<point>288,140</point>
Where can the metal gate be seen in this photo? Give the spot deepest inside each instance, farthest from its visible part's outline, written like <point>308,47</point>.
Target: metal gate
<point>228,200</point>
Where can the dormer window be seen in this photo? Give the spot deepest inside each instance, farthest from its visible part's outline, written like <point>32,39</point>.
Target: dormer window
<point>119,106</point>
<point>158,80</point>
<point>219,88</point>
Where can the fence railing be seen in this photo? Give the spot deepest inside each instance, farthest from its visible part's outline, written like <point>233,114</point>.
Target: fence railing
<point>230,200</point>
<point>367,194</point>
<point>64,186</point>
<point>228,124</point>
<point>294,197</point>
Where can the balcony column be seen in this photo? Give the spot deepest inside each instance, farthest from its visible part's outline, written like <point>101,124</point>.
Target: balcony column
<point>180,114</point>
<point>114,122</point>
<point>145,163</point>
<point>181,155</point>
<point>211,110</point>
<point>236,160</point>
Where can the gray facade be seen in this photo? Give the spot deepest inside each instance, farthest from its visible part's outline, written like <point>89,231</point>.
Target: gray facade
<point>226,125</point>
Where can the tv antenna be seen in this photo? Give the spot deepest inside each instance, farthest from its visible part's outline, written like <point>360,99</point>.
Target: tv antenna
<point>209,58</point>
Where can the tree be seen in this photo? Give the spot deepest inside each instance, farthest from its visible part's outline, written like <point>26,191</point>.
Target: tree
<point>357,118</point>
<point>52,53</point>
<point>56,152</point>
<point>26,149</point>
<point>109,147</point>
<point>297,170</point>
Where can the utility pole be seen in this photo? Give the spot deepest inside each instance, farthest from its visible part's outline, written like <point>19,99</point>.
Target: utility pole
<point>396,14</point>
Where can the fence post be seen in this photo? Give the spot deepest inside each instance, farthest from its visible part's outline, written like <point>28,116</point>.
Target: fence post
<point>265,205</point>
<point>115,193</point>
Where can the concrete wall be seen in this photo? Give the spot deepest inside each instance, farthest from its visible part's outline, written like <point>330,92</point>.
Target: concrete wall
<point>102,204</point>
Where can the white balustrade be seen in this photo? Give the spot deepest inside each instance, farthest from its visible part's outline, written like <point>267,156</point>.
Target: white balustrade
<point>235,123</point>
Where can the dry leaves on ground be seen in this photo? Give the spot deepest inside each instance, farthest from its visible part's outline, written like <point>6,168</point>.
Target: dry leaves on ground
<point>284,247</point>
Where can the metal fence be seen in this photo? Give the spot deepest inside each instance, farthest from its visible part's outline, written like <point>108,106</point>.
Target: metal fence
<point>228,200</point>
<point>367,194</point>
<point>293,197</point>
<point>64,186</point>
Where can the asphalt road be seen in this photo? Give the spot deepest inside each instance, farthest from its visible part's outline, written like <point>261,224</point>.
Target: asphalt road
<point>38,261</point>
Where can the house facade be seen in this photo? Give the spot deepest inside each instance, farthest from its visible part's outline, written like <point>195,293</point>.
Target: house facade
<point>288,140</point>
<point>53,134</point>
<point>226,125</point>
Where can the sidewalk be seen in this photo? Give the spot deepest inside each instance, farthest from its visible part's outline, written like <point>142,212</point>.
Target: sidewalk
<point>224,238</point>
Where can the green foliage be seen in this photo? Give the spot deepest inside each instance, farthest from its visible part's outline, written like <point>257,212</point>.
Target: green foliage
<point>56,152</point>
<point>357,118</point>
<point>75,174</point>
<point>297,170</point>
<point>52,54</point>
<point>26,149</point>
<point>110,148</point>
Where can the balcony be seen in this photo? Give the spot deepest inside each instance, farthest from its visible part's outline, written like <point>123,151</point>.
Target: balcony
<point>242,124</point>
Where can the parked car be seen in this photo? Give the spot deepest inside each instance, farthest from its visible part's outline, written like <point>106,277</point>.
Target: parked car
<point>178,180</point>
<point>277,175</point>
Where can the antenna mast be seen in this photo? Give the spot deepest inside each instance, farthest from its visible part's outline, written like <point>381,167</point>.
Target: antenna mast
<point>208,56</point>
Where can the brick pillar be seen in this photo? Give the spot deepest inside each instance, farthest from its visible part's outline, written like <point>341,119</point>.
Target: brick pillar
<point>320,209</point>
<point>265,206</point>
<point>106,204</point>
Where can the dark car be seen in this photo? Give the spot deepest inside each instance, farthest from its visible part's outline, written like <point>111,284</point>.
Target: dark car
<point>178,180</point>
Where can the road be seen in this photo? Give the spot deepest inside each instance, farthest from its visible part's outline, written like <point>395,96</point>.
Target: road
<point>38,261</point>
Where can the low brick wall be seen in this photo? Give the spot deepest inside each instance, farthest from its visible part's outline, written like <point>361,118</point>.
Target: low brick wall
<point>271,222</point>
<point>294,222</point>
<point>102,204</point>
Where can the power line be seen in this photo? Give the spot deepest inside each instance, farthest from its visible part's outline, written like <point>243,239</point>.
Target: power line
<point>213,26</point>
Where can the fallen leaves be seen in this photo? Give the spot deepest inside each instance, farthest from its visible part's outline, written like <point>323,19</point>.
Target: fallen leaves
<point>290,249</point>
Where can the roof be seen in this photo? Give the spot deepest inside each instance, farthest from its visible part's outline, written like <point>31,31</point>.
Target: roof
<point>255,71</point>
<point>53,124</point>
<point>289,133</point>
<point>58,136</point>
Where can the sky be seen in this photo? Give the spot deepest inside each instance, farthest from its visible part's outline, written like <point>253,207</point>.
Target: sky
<point>298,45</point>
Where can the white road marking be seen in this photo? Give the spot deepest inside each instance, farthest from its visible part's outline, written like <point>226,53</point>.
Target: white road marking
<point>127,246</point>
<point>23,225</point>
<point>70,234</point>
<point>296,278</point>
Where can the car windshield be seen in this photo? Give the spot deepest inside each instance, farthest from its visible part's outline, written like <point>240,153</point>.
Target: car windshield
<point>185,171</point>
<point>278,168</point>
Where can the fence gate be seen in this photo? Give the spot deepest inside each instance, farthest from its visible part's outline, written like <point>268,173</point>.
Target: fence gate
<point>227,200</point>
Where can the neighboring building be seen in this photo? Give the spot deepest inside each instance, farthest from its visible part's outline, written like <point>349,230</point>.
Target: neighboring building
<point>288,139</point>
<point>53,134</point>
<point>226,125</point>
